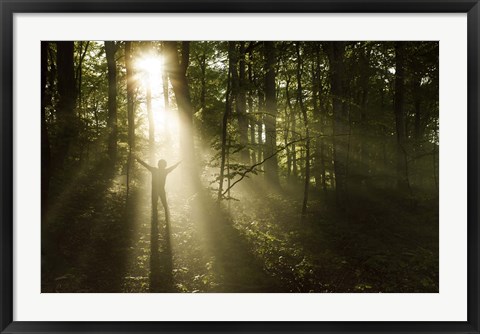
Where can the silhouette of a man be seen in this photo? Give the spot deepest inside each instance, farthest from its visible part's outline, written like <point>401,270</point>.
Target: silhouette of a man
<point>159,176</point>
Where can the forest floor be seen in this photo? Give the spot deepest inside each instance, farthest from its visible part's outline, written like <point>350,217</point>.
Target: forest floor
<point>256,243</point>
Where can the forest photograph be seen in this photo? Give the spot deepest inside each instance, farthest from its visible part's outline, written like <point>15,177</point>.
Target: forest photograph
<point>240,166</point>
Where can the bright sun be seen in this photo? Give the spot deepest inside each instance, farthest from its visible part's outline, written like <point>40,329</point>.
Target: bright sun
<point>150,71</point>
<point>150,64</point>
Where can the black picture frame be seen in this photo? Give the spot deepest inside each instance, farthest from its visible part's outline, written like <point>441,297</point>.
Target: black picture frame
<point>9,7</point>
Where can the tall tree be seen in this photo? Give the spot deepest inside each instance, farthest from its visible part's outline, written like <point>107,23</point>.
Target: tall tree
<point>303,109</point>
<point>79,71</point>
<point>291,122</point>
<point>203,82</point>
<point>252,119</point>
<point>241,104</point>
<point>260,126</point>
<point>66,101</point>
<point>288,116</point>
<point>177,75</point>
<point>110,51</point>
<point>237,60</point>
<point>364,67</point>
<point>151,121</point>
<point>226,116</point>
<point>130,108</point>
<point>336,53</point>
<point>318,125</point>
<point>399,108</point>
<point>271,165</point>
<point>166,93</point>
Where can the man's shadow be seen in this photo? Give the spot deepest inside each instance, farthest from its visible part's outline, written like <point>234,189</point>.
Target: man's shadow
<point>161,264</point>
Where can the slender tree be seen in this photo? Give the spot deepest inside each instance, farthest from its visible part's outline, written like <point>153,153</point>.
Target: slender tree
<point>130,108</point>
<point>66,101</point>
<point>203,82</point>
<point>226,116</point>
<point>110,51</point>
<point>399,107</point>
<point>271,165</point>
<point>166,93</point>
<point>336,52</point>
<point>318,125</point>
<point>364,68</point>
<point>251,116</point>
<point>300,99</point>
<point>288,117</point>
<point>79,71</point>
<point>241,106</point>
<point>151,121</point>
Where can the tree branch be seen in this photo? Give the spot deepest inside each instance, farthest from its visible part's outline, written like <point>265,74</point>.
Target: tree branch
<point>252,168</point>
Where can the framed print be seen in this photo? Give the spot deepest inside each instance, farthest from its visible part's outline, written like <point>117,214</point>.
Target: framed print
<point>236,166</point>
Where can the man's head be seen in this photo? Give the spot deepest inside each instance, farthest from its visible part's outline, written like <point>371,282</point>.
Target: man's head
<point>162,164</point>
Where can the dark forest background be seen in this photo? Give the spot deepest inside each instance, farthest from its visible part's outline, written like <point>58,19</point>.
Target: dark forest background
<point>306,166</point>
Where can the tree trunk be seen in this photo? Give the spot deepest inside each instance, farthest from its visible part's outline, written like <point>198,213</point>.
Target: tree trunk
<point>261,110</point>
<point>226,116</point>
<point>185,57</point>
<point>66,101</point>
<point>166,98</point>
<point>417,133</point>
<point>79,73</point>
<point>319,166</point>
<point>203,91</point>
<point>293,118</point>
<point>292,149</point>
<point>307,131</point>
<point>177,75</point>
<point>340,123</point>
<point>402,174</point>
<point>251,118</point>
<point>364,83</point>
<point>130,108</point>
<point>271,165</point>
<point>110,50</point>
<point>151,122</point>
<point>241,106</point>
<point>286,132</point>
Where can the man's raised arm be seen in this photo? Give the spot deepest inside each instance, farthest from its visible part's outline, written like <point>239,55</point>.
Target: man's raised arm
<point>169,169</point>
<point>144,164</point>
